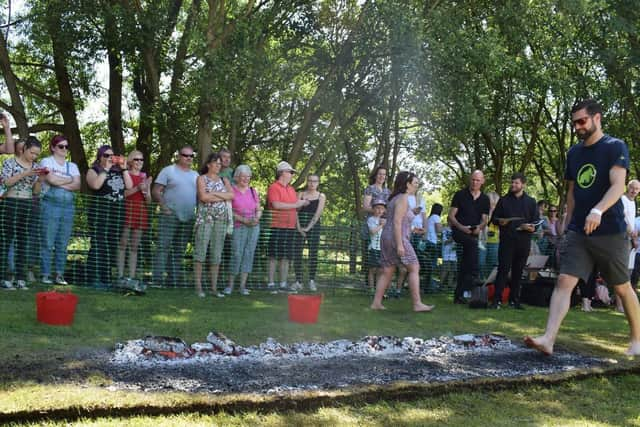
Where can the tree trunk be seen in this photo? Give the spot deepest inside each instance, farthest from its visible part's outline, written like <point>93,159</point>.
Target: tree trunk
<point>67,102</point>
<point>17,107</point>
<point>115,101</point>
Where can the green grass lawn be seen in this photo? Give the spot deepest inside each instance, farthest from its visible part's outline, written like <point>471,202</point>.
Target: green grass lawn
<point>102,319</point>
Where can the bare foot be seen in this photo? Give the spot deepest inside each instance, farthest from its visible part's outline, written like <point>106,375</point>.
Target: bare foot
<point>538,344</point>
<point>423,308</point>
<point>377,307</point>
<point>633,350</point>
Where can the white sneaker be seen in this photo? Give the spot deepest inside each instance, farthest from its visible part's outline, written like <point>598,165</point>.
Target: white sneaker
<point>46,280</point>
<point>21,284</point>
<point>220,295</point>
<point>296,286</point>
<point>312,285</point>
<point>271,285</point>
<point>59,280</point>
<point>245,292</point>
<point>7,285</point>
<point>283,285</point>
<point>227,291</point>
<point>201,294</point>
<point>30,277</point>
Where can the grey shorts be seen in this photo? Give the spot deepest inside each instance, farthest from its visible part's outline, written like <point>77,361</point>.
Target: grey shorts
<point>609,253</point>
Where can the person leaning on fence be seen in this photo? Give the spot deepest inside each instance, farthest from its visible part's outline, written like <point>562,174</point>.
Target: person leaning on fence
<point>247,212</point>
<point>282,202</point>
<point>136,217</point>
<point>105,214</point>
<point>211,221</point>
<point>175,192</point>
<point>308,227</point>
<point>9,145</point>
<point>58,208</point>
<point>21,179</point>
<point>396,247</point>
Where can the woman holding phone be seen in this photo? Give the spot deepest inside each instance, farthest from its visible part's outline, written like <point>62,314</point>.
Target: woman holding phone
<point>21,178</point>
<point>105,213</point>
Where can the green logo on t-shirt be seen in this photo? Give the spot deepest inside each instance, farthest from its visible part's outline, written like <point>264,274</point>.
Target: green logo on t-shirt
<point>586,175</point>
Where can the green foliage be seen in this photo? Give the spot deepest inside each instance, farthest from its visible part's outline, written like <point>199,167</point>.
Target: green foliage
<point>339,86</point>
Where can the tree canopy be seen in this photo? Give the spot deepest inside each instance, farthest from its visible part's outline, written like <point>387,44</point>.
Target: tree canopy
<point>335,87</point>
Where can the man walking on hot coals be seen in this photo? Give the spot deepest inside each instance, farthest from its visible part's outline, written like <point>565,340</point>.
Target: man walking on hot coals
<point>595,172</point>
<point>516,214</point>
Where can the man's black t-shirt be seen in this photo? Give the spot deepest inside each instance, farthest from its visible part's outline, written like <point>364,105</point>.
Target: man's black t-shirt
<point>470,210</point>
<point>588,167</point>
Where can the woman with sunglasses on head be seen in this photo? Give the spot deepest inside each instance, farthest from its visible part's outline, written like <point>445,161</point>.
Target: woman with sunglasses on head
<point>21,177</point>
<point>107,183</point>
<point>136,220</point>
<point>58,189</point>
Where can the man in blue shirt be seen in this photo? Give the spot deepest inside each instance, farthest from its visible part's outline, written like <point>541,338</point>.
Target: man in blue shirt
<point>595,172</point>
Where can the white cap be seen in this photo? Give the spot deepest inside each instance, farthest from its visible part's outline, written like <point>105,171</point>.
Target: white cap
<point>284,166</point>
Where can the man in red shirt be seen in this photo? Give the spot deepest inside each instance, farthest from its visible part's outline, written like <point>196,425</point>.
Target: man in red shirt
<point>282,202</point>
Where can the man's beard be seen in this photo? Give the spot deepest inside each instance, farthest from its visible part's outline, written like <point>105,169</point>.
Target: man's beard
<point>585,134</point>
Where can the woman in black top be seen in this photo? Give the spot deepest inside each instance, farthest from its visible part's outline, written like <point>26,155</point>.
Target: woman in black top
<point>107,181</point>
<point>309,230</point>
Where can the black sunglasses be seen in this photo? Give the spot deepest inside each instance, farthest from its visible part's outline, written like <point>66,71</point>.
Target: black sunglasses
<point>138,160</point>
<point>62,146</point>
<point>107,156</point>
<point>188,155</point>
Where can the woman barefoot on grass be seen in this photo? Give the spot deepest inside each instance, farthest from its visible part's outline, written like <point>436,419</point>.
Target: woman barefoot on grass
<point>396,246</point>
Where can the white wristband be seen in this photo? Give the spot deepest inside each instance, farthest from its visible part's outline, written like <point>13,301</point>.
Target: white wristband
<point>596,211</point>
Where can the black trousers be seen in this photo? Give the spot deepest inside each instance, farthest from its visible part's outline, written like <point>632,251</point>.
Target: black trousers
<point>105,218</point>
<point>635,274</point>
<point>468,269</point>
<point>512,256</point>
<point>16,223</point>
<point>312,239</point>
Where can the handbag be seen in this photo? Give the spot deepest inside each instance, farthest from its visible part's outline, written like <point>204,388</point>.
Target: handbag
<point>479,297</point>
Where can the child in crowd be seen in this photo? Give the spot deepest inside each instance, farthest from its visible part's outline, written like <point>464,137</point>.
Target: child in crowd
<point>375,224</point>
<point>449,259</point>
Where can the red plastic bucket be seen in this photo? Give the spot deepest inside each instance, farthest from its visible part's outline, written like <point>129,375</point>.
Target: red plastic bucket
<point>55,308</point>
<point>304,308</point>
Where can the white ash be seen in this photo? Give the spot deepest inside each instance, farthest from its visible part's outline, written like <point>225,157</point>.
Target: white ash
<point>222,366</point>
<point>219,347</point>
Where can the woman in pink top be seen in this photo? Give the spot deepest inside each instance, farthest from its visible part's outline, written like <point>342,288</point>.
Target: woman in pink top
<point>246,216</point>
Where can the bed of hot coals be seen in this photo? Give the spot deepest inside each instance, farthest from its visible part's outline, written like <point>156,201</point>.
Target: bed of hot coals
<point>220,365</point>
